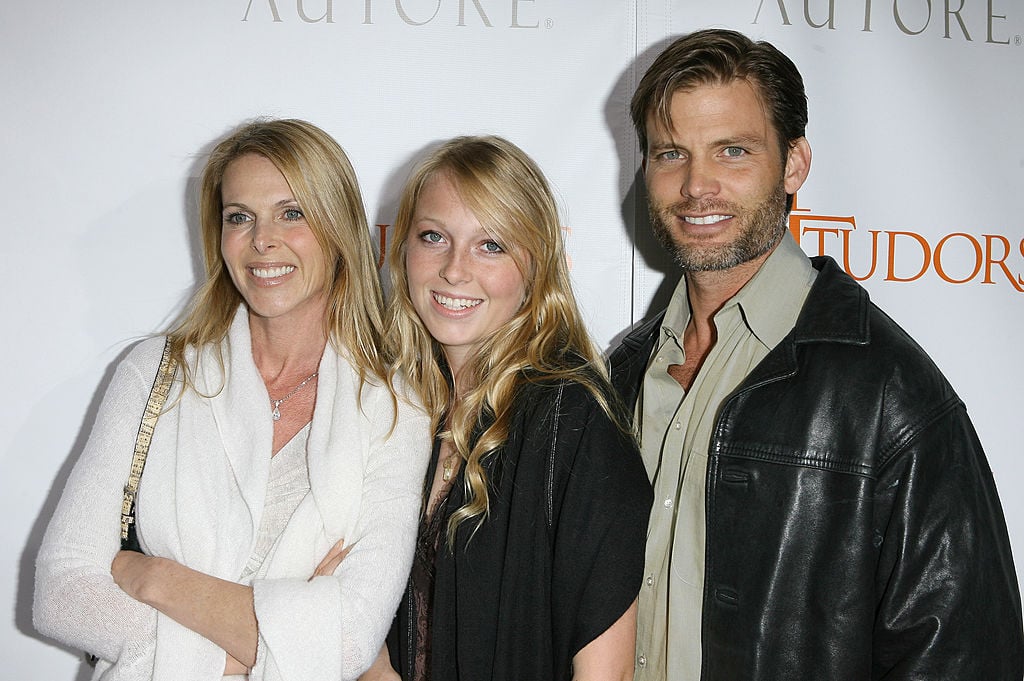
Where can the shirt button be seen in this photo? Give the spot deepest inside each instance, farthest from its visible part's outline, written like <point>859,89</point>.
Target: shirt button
<point>641,661</point>
<point>658,360</point>
<point>650,580</point>
<point>678,425</point>
<point>668,503</point>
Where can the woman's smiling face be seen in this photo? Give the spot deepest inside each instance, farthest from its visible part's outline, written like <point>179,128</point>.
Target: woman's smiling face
<point>463,284</point>
<point>269,250</point>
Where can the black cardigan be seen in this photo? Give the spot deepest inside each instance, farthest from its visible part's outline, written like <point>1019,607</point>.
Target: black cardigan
<point>559,558</point>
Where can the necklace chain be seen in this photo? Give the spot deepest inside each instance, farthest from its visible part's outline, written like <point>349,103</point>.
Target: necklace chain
<point>276,412</point>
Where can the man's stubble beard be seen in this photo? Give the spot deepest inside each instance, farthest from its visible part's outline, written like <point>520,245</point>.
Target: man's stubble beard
<point>762,229</point>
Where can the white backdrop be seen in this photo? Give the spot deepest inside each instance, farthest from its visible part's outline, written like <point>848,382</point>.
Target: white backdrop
<point>108,107</point>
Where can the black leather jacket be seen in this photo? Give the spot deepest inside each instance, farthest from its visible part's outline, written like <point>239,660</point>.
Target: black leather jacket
<point>853,527</point>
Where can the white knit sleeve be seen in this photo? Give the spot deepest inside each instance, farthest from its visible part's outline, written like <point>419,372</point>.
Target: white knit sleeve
<point>76,600</point>
<point>333,627</point>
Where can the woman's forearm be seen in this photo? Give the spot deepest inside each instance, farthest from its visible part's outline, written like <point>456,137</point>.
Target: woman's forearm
<point>233,666</point>
<point>219,610</point>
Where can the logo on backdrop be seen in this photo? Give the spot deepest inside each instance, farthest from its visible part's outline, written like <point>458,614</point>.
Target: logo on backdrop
<point>481,13</point>
<point>969,20</point>
<point>904,256</point>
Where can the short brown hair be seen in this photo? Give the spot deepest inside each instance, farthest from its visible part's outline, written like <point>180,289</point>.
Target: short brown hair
<point>718,56</point>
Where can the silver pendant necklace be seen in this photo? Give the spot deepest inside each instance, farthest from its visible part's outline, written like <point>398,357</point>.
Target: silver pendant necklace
<point>276,413</point>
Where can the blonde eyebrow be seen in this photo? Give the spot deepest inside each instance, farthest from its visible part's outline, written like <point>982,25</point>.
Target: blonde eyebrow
<point>279,204</point>
<point>427,218</point>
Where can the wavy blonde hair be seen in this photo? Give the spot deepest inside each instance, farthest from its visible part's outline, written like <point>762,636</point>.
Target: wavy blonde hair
<point>324,184</point>
<point>545,340</point>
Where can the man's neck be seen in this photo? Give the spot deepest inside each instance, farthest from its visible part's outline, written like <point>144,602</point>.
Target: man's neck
<point>708,291</point>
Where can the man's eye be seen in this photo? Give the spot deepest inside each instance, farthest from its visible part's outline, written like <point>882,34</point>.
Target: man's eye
<point>670,155</point>
<point>734,152</point>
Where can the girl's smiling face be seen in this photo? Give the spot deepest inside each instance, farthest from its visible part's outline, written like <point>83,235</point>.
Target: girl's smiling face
<point>462,283</point>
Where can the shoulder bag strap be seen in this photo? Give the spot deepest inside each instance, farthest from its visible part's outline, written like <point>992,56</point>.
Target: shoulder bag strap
<point>157,397</point>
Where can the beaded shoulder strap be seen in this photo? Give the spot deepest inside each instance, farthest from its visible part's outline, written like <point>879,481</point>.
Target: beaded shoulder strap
<point>157,397</point>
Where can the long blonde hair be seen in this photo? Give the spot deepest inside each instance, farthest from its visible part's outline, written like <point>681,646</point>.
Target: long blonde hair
<point>324,184</point>
<point>546,338</point>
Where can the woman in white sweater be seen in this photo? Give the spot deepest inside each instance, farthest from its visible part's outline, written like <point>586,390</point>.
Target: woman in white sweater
<point>278,506</point>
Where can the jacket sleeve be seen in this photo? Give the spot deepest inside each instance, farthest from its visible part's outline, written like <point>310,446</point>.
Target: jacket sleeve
<point>949,605</point>
<point>333,627</point>
<point>601,524</point>
<point>76,600</point>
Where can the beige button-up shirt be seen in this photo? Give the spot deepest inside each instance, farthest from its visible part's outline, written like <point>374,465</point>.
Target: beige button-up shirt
<point>675,434</point>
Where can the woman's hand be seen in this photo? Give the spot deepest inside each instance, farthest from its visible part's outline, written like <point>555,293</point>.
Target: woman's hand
<point>233,666</point>
<point>332,560</point>
<point>131,571</point>
<point>381,669</point>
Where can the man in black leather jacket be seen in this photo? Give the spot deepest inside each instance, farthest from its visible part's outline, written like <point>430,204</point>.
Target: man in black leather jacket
<point>823,507</point>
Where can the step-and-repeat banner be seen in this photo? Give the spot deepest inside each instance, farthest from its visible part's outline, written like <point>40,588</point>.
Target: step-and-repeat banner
<point>108,108</point>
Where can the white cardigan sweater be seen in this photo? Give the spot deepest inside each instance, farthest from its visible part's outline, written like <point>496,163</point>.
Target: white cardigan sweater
<point>200,503</point>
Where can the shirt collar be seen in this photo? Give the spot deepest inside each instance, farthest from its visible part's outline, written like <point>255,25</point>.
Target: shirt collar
<point>770,302</point>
